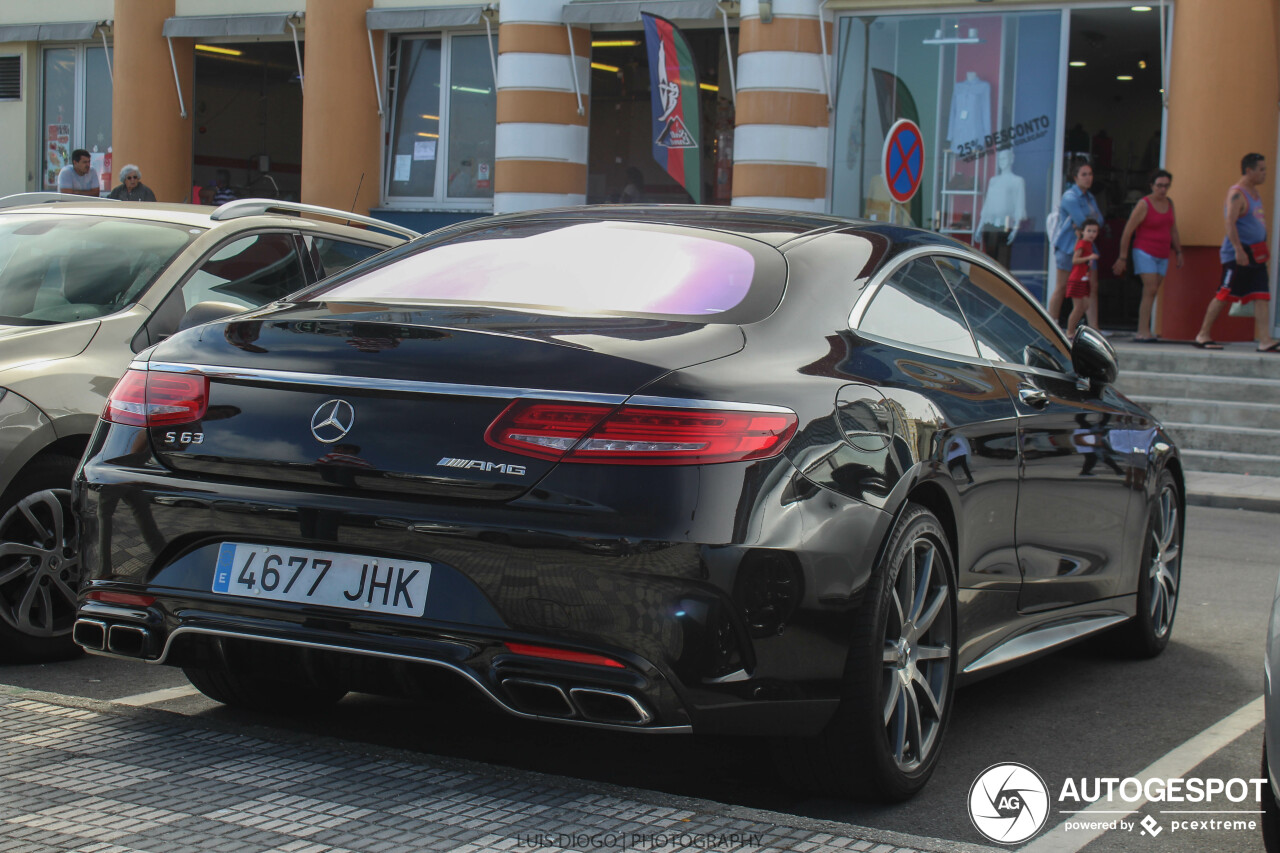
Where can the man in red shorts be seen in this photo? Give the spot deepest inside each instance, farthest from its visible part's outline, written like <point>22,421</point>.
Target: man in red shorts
<point>1244,257</point>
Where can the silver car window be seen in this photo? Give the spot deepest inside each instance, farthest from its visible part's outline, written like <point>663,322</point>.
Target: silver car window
<point>57,269</point>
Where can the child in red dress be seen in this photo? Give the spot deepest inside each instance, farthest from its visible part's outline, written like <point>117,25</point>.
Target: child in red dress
<point>1078,282</point>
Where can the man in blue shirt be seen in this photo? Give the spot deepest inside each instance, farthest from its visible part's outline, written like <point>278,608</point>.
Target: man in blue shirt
<point>79,178</point>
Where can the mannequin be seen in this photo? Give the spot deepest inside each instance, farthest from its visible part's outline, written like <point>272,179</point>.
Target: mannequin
<point>1003,208</point>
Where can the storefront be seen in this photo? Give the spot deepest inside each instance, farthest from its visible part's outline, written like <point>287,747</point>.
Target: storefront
<point>993,95</point>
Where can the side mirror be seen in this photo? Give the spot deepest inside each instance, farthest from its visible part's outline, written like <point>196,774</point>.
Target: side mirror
<point>1092,356</point>
<point>207,312</point>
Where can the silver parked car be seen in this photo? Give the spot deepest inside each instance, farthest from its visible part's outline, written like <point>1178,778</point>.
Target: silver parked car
<point>85,284</point>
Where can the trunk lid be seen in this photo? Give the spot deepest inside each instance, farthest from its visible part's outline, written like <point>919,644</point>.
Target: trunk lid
<point>398,401</point>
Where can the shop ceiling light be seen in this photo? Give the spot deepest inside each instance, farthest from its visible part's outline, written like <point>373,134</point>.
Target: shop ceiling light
<point>471,90</point>
<point>622,43</point>
<point>600,66</point>
<point>429,135</point>
<point>1079,63</point>
<point>709,87</point>
<point>1124,76</point>
<point>226,51</point>
<point>431,118</point>
<point>1139,8</point>
<point>1142,63</point>
<point>939,39</point>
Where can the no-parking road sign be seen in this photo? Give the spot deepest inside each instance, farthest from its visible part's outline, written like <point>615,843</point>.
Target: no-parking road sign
<point>903,160</point>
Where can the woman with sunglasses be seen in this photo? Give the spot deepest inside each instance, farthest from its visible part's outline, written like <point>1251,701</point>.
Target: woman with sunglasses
<point>1154,233</point>
<point>131,186</point>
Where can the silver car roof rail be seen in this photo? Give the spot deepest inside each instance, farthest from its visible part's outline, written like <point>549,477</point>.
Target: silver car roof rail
<point>28,199</point>
<point>257,206</point>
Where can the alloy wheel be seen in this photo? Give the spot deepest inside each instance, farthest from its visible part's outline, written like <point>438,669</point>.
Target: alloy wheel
<point>39,565</point>
<point>1166,561</point>
<point>917,655</point>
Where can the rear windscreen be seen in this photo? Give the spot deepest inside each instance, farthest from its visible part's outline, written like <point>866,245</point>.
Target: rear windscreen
<point>594,267</point>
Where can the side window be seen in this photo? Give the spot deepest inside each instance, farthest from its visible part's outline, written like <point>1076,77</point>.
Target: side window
<point>247,272</point>
<point>330,256</point>
<point>1007,326</point>
<point>916,307</point>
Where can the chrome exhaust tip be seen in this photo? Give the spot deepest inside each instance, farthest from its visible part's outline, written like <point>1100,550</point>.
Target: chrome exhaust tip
<point>128,640</point>
<point>90,633</point>
<point>609,706</point>
<point>538,697</point>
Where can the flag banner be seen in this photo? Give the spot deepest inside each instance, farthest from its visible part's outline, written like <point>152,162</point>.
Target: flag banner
<point>673,96</point>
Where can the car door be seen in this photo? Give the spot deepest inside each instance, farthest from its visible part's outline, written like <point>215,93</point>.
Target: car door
<point>950,412</point>
<point>1077,463</point>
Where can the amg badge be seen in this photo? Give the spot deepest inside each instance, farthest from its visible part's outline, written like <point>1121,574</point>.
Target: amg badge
<point>480,464</point>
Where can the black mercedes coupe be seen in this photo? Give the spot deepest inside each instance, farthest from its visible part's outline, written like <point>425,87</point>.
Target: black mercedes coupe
<point>660,469</point>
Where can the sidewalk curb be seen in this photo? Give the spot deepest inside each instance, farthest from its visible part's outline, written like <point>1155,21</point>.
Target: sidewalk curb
<point>532,780</point>
<point>1219,500</point>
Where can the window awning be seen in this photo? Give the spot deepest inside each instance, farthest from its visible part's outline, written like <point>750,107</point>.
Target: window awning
<point>628,11</point>
<point>423,17</point>
<point>68,31</point>
<point>209,26</point>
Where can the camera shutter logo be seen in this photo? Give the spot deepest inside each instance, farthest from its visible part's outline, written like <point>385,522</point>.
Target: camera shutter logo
<point>1009,803</point>
<point>332,421</point>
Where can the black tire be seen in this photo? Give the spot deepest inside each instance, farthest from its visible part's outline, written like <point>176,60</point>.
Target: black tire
<point>884,740</point>
<point>39,565</point>
<point>263,693</point>
<point>1270,809</point>
<point>1159,576</point>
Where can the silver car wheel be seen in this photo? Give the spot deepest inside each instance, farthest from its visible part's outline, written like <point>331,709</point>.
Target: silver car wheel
<point>917,655</point>
<point>39,565</point>
<point>1166,561</point>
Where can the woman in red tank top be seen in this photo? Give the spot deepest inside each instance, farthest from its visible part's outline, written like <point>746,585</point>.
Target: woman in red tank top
<point>1154,233</point>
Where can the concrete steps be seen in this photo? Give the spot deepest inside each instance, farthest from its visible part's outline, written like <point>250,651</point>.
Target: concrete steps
<point>1222,407</point>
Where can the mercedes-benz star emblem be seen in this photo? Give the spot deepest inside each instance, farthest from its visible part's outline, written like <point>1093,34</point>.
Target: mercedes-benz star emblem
<point>332,421</point>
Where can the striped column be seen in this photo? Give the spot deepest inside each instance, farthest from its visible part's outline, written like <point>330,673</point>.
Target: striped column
<point>541,143</point>
<point>781,139</point>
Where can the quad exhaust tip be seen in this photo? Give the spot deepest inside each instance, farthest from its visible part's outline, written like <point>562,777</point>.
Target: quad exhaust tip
<point>90,633</point>
<point>128,640</point>
<point>538,697</point>
<point>610,706</point>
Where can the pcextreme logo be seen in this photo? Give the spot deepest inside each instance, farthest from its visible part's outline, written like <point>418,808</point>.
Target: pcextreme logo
<point>1008,803</point>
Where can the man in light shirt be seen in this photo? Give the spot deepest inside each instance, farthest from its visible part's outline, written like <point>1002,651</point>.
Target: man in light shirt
<point>79,178</point>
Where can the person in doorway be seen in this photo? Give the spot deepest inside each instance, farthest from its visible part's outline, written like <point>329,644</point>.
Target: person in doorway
<point>222,192</point>
<point>131,186</point>
<point>79,178</point>
<point>1084,275</point>
<point>1244,257</point>
<point>1154,233</point>
<point>1078,204</point>
<point>635,186</point>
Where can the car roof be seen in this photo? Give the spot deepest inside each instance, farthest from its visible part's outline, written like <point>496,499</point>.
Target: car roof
<point>775,227</point>
<point>195,216</point>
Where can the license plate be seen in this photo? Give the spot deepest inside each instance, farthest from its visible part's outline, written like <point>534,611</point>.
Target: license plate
<point>326,578</point>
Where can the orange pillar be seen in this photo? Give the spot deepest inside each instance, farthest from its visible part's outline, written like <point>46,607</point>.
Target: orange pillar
<point>1223,91</point>
<point>147,127</point>
<point>341,128</point>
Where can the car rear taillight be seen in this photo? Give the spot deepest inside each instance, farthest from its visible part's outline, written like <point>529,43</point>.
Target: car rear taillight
<point>550,653</point>
<point>111,597</point>
<point>150,398</point>
<point>639,435</point>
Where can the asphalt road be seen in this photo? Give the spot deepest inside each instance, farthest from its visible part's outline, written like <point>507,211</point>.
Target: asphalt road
<point>1081,713</point>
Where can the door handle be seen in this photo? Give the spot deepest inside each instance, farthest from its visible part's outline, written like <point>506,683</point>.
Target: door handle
<point>1032,396</point>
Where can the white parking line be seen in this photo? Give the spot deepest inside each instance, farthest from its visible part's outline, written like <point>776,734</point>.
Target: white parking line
<point>156,696</point>
<point>1176,763</point>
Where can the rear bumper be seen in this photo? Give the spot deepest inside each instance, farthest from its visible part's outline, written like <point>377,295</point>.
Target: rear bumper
<point>722,625</point>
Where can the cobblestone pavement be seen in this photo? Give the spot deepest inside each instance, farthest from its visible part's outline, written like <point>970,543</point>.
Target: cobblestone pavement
<point>81,775</point>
